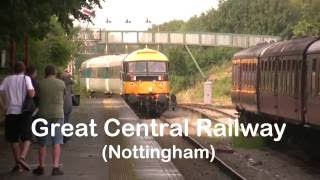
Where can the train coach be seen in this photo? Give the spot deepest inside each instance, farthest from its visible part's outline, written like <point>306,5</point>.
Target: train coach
<point>141,77</point>
<point>279,81</point>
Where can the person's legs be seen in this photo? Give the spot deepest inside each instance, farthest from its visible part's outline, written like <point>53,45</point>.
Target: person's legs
<point>12,134</point>
<point>25,149</point>
<point>25,120</point>
<point>56,154</point>
<point>57,140</point>
<point>43,142</point>
<point>15,151</point>
<point>42,155</point>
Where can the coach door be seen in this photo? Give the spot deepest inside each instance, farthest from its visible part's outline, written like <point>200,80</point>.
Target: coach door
<point>268,98</point>
<point>288,101</point>
<point>313,90</point>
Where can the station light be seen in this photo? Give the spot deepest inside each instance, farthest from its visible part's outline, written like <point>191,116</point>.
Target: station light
<point>127,21</point>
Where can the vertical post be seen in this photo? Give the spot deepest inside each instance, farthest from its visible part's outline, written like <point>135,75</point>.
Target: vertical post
<point>26,50</point>
<point>138,37</point>
<point>158,46</point>
<point>207,92</point>
<point>107,40</point>
<point>122,37</point>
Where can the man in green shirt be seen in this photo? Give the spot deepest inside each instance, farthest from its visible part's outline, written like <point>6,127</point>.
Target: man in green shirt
<point>51,99</point>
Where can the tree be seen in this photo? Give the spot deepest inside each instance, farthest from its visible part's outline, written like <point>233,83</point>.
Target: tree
<point>309,24</point>
<point>56,48</point>
<point>32,17</point>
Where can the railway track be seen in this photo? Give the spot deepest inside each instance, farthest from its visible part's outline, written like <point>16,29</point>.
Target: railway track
<point>227,169</point>
<point>208,107</point>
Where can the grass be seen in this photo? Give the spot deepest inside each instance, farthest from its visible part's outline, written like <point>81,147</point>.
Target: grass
<point>248,142</point>
<point>220,75</point>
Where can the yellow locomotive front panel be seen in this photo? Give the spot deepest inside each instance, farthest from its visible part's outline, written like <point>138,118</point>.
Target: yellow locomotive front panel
<point>146,87</point>
<point>146,80</point>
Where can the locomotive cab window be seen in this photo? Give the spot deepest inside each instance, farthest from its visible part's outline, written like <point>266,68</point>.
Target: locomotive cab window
<point>157,67</point>
<point>139,67</point>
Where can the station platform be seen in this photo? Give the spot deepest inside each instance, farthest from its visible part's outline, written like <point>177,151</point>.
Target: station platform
<point>82,157</point>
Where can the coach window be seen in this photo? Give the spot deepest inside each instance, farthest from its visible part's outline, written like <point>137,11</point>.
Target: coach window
<point>244,72</point>
<point>289,77</point>
<point>246,75</point>
<point>269,75</point>
<point>262,74</point>
<point>313,77</point>
<point>318,77</point>
<point>273,74</point>
<point>285,71</point>
<point>254,65</point>
<point>265,74</point>
<point>284,76</point>
<point>94,72</point>
<point>250,74</point>
<point>279,75</point>
<point>297,79</point>
<point>293,74</point>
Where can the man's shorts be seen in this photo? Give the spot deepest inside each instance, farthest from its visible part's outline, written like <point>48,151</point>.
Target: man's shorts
<point>18,127</point>
<point>48,139</point>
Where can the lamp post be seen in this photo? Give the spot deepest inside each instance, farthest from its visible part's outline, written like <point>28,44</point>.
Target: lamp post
<point>147,22</point>
<point>108,21</point>
<point>126,46</point>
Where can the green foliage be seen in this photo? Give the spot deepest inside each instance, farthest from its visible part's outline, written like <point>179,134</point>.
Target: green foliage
<point>56,48</point>
<point>222,88</point>
<point>32,17</point>
<point>183,72</point>
<point>284,18</point>
<point>309,24</point>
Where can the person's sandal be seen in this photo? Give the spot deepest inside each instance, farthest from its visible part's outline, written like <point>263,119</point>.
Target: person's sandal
<point>39,171</point>
<point>23,164</point>
<point>16,169</point>
<point>57,172</point>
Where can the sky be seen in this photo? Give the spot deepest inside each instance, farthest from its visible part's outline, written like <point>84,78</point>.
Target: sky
<point>137,11</point>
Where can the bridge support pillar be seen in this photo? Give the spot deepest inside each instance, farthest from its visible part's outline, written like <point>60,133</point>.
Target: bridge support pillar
<point>207,92</point>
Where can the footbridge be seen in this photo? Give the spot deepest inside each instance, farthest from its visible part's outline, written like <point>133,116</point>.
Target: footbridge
<point>93,37</point>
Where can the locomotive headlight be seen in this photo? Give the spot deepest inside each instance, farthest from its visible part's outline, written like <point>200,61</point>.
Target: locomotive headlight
<point>133,78</point>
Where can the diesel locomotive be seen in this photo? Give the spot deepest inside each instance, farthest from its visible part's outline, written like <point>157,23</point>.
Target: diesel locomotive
<point>141,77</point>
